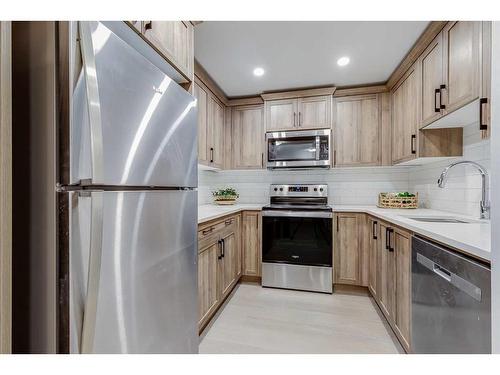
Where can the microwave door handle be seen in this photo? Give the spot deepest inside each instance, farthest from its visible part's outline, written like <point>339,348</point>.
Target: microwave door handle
<point>317,147</point>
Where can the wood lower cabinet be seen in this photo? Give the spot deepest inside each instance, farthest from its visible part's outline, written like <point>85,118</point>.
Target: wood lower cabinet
<point>248,137</point>
<point>208,278</point>
<point>373,256</point>
<point>251,241</point>
<point>219,264</point>
<point>357,130</point>
<point>387,272</point>
<point>347,252</point>
<point>392,273</point>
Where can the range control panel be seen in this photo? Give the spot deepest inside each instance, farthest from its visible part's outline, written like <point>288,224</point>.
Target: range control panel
<point>317,190</point>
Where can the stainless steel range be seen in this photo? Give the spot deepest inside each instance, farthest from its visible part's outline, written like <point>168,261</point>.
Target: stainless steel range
<point>297,238</point>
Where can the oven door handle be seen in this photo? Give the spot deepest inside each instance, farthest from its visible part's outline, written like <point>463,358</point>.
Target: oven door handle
<point>292,213</point>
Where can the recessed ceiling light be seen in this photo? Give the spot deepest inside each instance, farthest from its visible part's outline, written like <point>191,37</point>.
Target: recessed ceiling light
<point>258,72</point>
<point>343,61</point>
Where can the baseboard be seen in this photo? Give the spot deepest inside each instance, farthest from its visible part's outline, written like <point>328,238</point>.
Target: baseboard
<point>250,279</point>
<point>351,289</point>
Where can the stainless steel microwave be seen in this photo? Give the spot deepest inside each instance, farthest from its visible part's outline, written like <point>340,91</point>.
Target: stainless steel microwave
<point>298,149</point>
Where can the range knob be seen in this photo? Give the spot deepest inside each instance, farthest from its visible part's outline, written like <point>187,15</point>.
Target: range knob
<point>281,189</point>
<point>315,189</point>
<point>320,189</point>
<point>275,189</point>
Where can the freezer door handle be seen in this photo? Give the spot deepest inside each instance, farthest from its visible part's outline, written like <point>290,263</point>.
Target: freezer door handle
<point>93,102</point>
<point>94,272</point>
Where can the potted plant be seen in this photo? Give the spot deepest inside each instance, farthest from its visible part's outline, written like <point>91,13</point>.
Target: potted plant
<point>225,196</point>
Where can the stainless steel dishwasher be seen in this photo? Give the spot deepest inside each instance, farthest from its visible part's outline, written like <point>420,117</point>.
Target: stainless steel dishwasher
<point>451,301</point>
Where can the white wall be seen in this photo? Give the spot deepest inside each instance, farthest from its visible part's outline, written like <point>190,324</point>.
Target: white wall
<point>495,188</point>
<point>346,185</point>
<point>462,192</point>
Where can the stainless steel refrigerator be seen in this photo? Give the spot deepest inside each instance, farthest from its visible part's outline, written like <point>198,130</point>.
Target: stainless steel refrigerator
<point>126,139</point>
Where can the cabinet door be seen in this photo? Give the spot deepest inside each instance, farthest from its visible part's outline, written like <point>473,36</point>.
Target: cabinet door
<point>248,137</point>
<point>461,60</point>
<point>347,250</point>
<point>431,65</point>
<point>402,318</point>
<point>229,260</point>
<point>281,114</point>
<point>373,249</point>
<point>315,112</point>
<point>486,78</point>
<point>208,275</point>
<point>387,270</point>
<point>357,131</point>
<point>202,105</point>
<point>405,118</point>
<point>215,132</point>
<point>251,240</point>
<point>174,39</point>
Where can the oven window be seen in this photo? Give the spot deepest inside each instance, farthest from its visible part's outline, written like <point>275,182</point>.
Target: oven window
<point>292,149</point>
<point>296,240</point>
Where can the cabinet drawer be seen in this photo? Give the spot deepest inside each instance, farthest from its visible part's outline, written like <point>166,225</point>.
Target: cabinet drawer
<point>216,227</point>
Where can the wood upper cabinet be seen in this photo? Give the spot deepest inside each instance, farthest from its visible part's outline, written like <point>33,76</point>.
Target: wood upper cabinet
<point>208,278</point>
<point>405,119</point>
<point>432,69</point>
<point>402,318</point>
<point>485,108</point>
<point>461,63</point>
<point>307,112</point>
<point>347,254</point>
<point>248,137</point>
<point>202,96</point>
<point>373,256</point>
<point>281,114</point>
<point>251,241</point>
<point>215,133</point>
<point>387,271</point>
<point>314,112</point>
<point>357,130</point>
<point>175,40</point>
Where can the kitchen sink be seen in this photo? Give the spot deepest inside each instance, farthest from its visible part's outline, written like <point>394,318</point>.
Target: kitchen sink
<point>437,219</point>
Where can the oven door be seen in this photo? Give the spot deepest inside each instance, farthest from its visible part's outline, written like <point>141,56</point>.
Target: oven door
<point>297,237</point>
<point>298,149</point>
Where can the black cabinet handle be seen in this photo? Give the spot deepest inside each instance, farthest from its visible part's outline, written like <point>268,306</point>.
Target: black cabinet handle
<point>436,107</point>
<point>262,160</point>
<point>387,238</point>
<point>441,88</point>
<point>300,119</point>
<point>220,248</point>
<point>148,25</point>
<point>482,102</point>
<point>211,154</point>
<point>391,248</point>
<point>223,248</point>
<point>374,229</point>
<point>294,119</point>
<point>413,139</point>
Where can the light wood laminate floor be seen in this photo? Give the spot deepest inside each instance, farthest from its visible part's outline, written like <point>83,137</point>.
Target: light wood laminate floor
<point>265,320</point>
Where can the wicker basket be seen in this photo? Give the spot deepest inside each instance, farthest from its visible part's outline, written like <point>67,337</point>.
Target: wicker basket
<point>385,201</point>
<point>225,200</point>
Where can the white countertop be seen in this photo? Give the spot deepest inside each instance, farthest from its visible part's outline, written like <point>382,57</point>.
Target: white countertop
<point>472,238</point>
<point>207,212</point>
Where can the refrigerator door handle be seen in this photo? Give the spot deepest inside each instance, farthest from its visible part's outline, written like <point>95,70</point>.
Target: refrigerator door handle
<point>93,102</point>
<point>94,273</point>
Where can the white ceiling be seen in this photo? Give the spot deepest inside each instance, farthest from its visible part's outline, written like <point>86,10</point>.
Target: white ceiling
<point>301,54</point>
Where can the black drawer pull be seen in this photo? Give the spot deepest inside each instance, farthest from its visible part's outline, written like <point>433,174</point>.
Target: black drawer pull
<point>374,230</point>
<point>413,139</point>
<point>206,231</point>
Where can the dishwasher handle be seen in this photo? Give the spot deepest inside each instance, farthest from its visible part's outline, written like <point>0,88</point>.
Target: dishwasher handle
<point>454,279</point>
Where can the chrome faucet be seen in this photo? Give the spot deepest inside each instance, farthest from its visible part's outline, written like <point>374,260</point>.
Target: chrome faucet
<point>485,203</point>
